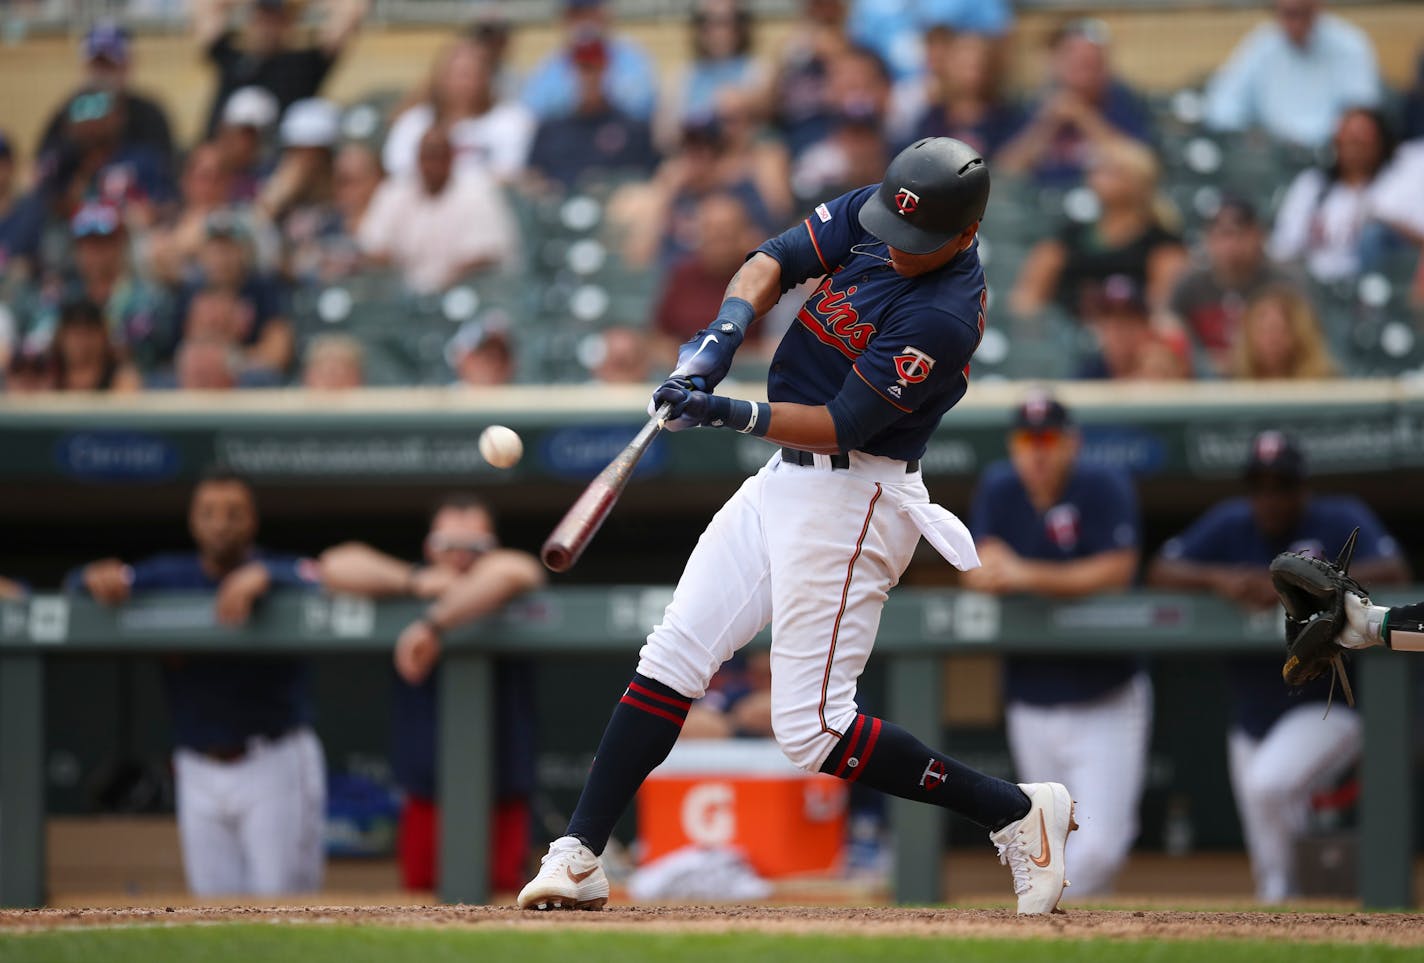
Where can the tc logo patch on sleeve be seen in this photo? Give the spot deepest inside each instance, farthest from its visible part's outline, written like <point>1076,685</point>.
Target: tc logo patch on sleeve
<point>913,366</point>
<point>823,212</point>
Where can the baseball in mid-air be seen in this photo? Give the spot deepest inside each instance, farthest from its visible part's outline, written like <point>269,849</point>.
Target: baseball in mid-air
<point>501,446</point>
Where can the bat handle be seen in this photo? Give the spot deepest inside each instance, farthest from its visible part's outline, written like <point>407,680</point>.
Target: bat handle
<point>661,415</point>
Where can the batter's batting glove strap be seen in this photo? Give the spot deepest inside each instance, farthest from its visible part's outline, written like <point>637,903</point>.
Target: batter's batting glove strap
<point>735,311</point>
<point>711,411</point>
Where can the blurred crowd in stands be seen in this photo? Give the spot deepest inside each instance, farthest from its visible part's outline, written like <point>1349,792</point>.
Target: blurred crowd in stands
<point>576,221</point>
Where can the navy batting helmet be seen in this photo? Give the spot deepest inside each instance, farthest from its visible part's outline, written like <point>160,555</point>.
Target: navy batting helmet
<point>932,191</point>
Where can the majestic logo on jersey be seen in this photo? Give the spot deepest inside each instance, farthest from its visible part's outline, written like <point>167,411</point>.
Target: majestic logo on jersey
<point>1063,524</point>
<point>833,319</point>
<point>913,366</point>
<point>906,201</point>
<point>934,775</point>
<point>823,212</point>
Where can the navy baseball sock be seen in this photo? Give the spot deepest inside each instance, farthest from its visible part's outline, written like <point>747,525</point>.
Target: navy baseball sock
<point>883,756</point>
<point>641,732</point>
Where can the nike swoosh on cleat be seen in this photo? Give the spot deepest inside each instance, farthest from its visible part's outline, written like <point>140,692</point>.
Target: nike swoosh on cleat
<point>580,877</point>
<point>1045,856</point>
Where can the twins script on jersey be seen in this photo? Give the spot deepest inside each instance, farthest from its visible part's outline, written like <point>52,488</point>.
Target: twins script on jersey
<point>908,339</point>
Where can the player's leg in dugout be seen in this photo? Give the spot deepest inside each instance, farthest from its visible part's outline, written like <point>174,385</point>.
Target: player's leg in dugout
<point>838,545</point>
<point>1273,777</point>
<point>284,808</point>
<point>722,600</point>
<point>1100,749</point>
<point>213,860</point>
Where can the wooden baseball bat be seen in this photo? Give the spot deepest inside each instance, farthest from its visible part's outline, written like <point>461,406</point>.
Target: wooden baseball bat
<point>581,522</point>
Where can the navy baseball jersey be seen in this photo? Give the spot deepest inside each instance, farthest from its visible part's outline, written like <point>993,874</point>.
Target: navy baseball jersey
<point>888,354</point>
<point>218,702</point>
<point>1227,535</point>
<point>1096,513</point>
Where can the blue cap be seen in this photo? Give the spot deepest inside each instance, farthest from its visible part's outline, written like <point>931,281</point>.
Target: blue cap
<point>107,40</point>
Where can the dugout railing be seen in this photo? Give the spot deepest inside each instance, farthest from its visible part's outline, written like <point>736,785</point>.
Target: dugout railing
<point>919,628</point>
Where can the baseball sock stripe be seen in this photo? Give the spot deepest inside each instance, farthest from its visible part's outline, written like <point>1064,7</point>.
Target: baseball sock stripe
<point>854,738</point>
<point>629,700</point>
<point>683,704</point>
<point>866,752</point>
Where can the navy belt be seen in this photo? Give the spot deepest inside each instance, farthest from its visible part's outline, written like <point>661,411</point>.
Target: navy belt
<point>795,456</point>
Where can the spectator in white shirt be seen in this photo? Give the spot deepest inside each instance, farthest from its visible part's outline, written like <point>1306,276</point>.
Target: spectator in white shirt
<point>1324,213</point>
<point>438,225</point>
<point>461,95</point>
<point>1295,76</point>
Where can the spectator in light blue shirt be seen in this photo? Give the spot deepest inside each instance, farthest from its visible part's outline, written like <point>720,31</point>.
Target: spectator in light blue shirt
<point>1295,77</point>
<point>630,82</point>
<point>894,29</point>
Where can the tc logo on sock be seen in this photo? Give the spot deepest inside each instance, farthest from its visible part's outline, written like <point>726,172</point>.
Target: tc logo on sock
<point>934,775</point>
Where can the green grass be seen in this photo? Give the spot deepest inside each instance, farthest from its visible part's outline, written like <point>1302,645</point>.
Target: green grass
<point>268,943</point>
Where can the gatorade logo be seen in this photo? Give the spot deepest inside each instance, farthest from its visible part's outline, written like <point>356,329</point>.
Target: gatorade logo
<point>709,816</point>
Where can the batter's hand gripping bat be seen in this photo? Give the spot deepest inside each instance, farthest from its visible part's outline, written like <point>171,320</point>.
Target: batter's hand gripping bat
<point>573,533</point>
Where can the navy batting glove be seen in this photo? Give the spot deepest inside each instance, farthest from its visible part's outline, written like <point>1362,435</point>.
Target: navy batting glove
<point>689,405</point>
<point>707,357</point>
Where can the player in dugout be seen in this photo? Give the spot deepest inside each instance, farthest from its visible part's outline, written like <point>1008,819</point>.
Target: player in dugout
<point>466,575</point>
<point>1283,744</point>
<point>249,772</point>
<point>1048,523</point>
<point>815,540</point>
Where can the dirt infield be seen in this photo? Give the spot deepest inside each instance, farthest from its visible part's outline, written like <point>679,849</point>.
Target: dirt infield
<point>1395,929</point>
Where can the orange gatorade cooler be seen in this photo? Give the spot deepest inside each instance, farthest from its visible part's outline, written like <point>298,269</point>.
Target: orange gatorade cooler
<point>744,793</point>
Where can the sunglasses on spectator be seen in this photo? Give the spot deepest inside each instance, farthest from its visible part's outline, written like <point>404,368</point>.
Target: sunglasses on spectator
<point>474,544</point>
<point>1037,438</point>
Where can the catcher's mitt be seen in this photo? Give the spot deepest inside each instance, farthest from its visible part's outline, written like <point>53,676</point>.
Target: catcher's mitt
<point>1313,593</point>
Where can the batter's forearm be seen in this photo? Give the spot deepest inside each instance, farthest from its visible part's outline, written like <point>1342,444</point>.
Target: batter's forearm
<point>757,282</point>
<point>807,427</point>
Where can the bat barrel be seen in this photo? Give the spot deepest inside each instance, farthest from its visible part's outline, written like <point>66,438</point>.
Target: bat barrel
<point>556,558</point>
<point>578,526</point>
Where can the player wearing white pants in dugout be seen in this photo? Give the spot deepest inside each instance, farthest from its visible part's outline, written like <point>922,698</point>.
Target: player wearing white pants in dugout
<point>249,772</point>
<point>813,543</point>
<point>1282,746</point>
<point>1049,524</point>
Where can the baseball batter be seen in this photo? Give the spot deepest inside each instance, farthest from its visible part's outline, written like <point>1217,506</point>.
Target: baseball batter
<point>813,543</point>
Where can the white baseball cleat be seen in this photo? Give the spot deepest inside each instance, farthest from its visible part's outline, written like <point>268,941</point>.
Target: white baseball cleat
<point>1033,847</point>
<point>570,877</point>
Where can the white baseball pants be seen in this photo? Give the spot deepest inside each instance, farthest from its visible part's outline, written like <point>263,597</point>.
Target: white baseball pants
<point>815,552</point>
<point>1099,749</point>
<point>1273,778</point>
<point>253,826</point>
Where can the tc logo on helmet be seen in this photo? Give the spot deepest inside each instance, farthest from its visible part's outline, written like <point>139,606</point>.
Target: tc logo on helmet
<point>906,201</point>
